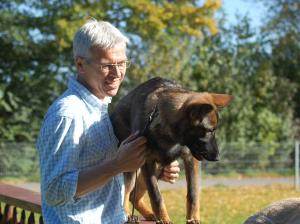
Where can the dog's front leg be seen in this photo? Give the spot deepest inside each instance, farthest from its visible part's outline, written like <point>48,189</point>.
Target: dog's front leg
<point>155,196</point>
<point>129,181</point>
<point>192,178</point>
<point>138,194</point>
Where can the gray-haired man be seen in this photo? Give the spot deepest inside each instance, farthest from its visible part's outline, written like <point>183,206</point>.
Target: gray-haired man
<point>81,165</point>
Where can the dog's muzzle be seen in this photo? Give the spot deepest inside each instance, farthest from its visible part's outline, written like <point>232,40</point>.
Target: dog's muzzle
<point>205,150</point>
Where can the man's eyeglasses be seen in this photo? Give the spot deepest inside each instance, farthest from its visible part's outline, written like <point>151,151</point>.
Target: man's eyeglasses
<point>103,67</point>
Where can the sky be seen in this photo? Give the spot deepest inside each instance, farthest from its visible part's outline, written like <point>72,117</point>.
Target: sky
<point>254,9</point>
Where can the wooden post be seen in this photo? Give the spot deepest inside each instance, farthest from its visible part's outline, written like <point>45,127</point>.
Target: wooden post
<point>297,181</point>
<point>14,197</point>
<point>23,217</point>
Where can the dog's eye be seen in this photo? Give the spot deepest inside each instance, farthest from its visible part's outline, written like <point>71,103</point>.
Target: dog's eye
<point>210,130</point>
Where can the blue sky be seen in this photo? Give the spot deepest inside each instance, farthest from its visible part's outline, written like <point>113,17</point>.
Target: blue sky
<point>254,9</point>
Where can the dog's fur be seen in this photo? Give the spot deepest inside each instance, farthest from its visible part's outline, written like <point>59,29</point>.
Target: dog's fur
<point>184,127</point>
<point>286,211</point>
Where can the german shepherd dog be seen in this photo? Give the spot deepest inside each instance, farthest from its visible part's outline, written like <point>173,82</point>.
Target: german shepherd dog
<point>183,125</point>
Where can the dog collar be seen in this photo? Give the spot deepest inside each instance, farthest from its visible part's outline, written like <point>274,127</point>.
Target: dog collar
<point>151,116</point>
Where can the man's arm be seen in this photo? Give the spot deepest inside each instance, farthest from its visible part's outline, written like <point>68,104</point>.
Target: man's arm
<point>131,156</point>
<point>59,154</point>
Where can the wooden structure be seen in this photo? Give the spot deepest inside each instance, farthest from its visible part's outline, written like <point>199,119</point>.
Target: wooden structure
<point>15,201</point>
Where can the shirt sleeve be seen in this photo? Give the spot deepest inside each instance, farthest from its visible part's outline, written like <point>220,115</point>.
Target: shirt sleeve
<point>59,150</point>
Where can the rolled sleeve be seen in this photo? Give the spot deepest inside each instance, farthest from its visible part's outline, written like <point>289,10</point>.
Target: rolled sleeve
<point>59,151</point>
<point>55,196</point>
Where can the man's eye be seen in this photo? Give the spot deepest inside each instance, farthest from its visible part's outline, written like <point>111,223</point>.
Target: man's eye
<point>122,64</point>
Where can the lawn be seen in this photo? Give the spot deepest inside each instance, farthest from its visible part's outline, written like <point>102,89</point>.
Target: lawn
<point>223,205</point>
<point>227,205</point>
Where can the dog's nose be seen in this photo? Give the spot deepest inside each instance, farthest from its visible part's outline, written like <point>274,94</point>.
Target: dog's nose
<point>217,157</point>
<point>212,159</point>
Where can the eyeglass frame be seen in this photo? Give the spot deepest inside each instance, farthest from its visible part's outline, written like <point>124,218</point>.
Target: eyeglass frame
<point>110,66</point>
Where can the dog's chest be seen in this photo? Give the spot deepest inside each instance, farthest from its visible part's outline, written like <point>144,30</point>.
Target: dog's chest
<point>163,153</point>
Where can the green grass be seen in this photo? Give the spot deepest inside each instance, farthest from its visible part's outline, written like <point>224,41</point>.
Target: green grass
<point>224,205</point>
<point>246,174</point>
<point>20,179</point>
<point>250,173</point>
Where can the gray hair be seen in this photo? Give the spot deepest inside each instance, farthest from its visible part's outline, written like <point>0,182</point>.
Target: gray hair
<point>96,34</point>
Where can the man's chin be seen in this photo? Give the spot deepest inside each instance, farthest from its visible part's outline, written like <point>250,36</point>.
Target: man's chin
<point>111,89</point>
<point>112,92</point>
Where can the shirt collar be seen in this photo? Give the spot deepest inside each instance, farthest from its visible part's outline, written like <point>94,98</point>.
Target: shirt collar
<point>86,95</point>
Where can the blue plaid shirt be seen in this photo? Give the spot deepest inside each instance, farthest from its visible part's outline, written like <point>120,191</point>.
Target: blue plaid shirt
<point>77,134</point>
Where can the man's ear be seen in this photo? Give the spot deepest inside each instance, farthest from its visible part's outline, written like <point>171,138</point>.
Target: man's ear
<point>221,100</point>
<point>80,63</point>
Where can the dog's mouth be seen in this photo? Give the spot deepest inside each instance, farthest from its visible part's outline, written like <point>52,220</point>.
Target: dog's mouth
<point>205,150</point>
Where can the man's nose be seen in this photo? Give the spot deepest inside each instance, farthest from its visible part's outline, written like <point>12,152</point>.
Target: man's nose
<point>115,71</point>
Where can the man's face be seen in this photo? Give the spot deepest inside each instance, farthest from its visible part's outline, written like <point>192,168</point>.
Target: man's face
<point>100,73</point>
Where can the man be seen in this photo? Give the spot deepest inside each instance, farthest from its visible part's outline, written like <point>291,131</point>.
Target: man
<point>81,165</point>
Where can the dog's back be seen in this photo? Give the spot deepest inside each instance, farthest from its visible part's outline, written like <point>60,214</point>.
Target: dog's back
<point>136,100</point>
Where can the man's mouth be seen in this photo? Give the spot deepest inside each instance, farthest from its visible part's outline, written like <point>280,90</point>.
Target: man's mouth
<point>112,84</point>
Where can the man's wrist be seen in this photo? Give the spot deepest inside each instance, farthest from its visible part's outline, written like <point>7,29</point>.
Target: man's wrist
<point>118,165</point>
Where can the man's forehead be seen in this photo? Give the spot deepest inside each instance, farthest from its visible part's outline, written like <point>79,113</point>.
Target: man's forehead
<point>111,54</point>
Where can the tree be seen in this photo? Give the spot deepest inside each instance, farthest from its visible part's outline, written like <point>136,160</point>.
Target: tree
<point>28,72</point>
<point>36,38</point>
<point>237,62</point>
<point>282,32</point>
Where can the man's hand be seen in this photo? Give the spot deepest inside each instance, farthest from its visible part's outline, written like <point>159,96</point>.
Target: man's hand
<point>170,172</point>
<point>131,153</point>
<point>130,157</point>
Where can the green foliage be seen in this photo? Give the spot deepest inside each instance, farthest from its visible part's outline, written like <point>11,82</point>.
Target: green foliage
<point>19,160</point>
<point>261,116</point>
<point>282,33</point>
<point>27,74</point>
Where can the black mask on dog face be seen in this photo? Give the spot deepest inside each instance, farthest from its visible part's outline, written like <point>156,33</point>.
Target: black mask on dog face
<point>203,145</point>
<point>198,131</point>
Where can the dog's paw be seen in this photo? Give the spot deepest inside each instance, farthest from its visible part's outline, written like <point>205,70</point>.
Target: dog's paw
<point>149,217</point>
<point>132,220</point>
<point>193,222</point>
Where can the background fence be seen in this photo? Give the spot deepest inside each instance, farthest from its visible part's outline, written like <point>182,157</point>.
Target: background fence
<point>256,160</point>
<point>251,158</point>
<point>20,160</point>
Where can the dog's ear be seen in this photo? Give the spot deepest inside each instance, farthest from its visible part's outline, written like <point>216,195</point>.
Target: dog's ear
<point>197,112</point>
<point>221,100</point>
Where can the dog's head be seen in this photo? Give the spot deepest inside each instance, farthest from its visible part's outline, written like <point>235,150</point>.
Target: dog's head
<point>197,121</point>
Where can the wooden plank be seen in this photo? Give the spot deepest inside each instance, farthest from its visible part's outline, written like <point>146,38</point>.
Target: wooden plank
<point>41,221</point>
<point>23,217</point>
<point>15,216</point>
<point>8,213</point>
<point>19,197</point>
<point>31,218</point>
